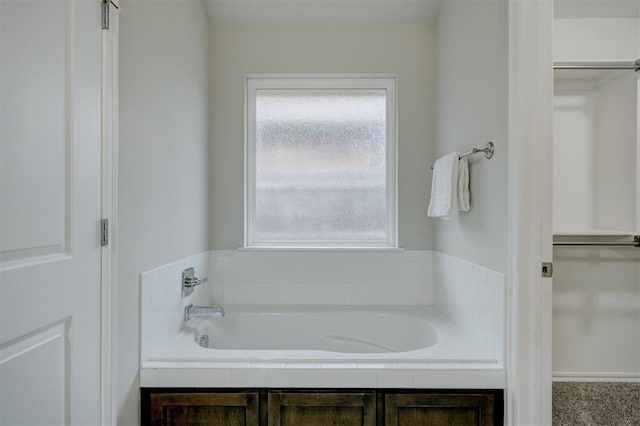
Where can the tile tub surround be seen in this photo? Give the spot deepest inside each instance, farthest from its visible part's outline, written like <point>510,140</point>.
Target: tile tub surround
<point>473,298</point>
<point>250,277</point>
<point>458,289</point>
<point>229,375</point>
<point>162,310</point>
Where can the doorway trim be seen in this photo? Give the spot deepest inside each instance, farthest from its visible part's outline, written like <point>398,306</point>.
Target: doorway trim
<point>109,210</point>
<point>530,212</point>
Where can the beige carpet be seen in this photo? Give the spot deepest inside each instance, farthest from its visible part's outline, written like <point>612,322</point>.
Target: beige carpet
<point>606,404</point>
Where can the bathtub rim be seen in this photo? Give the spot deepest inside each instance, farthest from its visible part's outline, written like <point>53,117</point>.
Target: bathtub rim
<point>455,347</point>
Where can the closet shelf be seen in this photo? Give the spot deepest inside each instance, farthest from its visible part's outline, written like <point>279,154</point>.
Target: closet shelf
<point>634,243</point>
<point>594,233</point>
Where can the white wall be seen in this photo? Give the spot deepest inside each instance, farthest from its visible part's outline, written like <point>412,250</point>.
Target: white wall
<point>403,48</point>
<point>163,191</point>
<point>611,39</point>
<point>472,83</point>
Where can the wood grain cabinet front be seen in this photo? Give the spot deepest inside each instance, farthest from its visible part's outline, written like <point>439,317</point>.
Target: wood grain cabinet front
<point>200,409</point>
<point>422,409</point>
<point>322,409</point>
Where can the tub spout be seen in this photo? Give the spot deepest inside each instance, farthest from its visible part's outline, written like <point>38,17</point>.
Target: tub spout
<point>191,311</point>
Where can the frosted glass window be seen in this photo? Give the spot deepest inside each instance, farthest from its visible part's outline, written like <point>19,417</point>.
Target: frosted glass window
<point>320,164</point>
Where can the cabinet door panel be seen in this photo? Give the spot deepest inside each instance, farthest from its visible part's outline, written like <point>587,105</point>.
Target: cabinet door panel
<point>211,409</point>
<point>322,409</point>
<point>439,410</point>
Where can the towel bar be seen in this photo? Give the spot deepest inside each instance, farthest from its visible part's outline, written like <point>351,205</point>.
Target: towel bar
<point>488,152</point>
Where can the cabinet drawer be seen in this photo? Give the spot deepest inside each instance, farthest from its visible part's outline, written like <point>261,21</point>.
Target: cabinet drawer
<point>321,409</point>
<point>439,409</point>
<point>211,409</point>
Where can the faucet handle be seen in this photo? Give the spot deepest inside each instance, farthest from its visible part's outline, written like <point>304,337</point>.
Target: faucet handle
<point>189,281</point>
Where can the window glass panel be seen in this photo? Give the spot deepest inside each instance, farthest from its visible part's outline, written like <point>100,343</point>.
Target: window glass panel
<point>320,165</point>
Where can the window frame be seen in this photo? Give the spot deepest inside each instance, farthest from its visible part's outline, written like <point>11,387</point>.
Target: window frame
<point>255,82</point>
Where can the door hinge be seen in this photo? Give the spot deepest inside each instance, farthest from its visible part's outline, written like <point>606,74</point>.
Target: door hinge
<point>105,12</point>
<point>547,269</point>
<point>104,232</point>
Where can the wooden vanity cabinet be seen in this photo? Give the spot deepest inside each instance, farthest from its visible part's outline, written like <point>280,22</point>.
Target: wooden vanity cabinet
<point>413,409</point>
<point>200,409</point>
<point>327,407</point>
<point>321,408</point>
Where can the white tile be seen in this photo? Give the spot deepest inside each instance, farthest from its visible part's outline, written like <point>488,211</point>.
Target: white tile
<point>146,334</point>
<point>378,299</point>
<point>304,366</point>
<point>395,378</point>
<point>148,377</point>
<point>353,299</point>
<point>425,379</point>
<point>374,366</point>
<point>247,299</point>
<point>476,379</point>
<point>261,288</point>
<point>358,378</point>
<point>299,288</point>
<point>234,365</point>
<point>213,377</point>
<point>176,377</point>
<point>322,378</point>
<point>339,365</point>
<point>294,299</point>
<point>201,365</point>
<point>321,288</point>
<point>386,289</point>
<point>496,379</point>
<point>249,378</point>
<point>146,289</point>
<point>341,278</point>
<point>268,365</point>
<point>282,377</point>
<point>408,365</point>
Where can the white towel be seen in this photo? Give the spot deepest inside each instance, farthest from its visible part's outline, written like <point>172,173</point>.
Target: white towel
<point>444,187</point>
<point>450,186</point>
<point>463,185</point>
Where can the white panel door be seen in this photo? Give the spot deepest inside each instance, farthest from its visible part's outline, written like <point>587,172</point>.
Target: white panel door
<point>50,200</point>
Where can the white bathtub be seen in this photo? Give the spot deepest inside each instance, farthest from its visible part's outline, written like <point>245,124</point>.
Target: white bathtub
<point>344,331</point>
<point>324,335</point>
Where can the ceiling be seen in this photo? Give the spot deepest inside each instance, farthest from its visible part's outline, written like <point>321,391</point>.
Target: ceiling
<point>597,8</point>
<point>371,11</point>
<point>321,11</point>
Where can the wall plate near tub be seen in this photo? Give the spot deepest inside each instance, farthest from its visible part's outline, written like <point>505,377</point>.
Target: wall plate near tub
<point>187,273</point>
<point>190,281</point>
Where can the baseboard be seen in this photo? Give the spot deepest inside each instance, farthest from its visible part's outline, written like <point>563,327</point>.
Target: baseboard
<point>595,376</point>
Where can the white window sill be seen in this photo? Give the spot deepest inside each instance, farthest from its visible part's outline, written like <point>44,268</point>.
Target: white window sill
<point>302,248</point>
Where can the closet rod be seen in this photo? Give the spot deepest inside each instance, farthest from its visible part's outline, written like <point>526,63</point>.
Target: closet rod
<point>597,65</point>
<point>634,243</point>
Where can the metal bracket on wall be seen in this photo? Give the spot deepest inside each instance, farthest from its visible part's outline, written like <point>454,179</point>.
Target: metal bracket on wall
<point>105,13</point>
<point>104,232</point>
<point>547,269</point>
